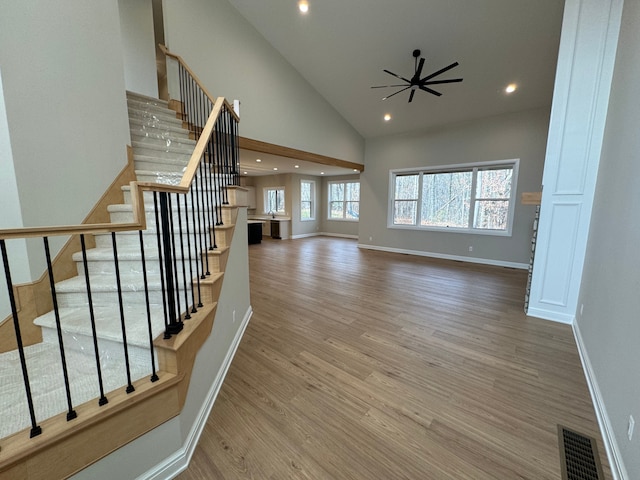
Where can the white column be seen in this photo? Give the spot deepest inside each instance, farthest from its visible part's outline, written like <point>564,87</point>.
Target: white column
<point>586,60</point>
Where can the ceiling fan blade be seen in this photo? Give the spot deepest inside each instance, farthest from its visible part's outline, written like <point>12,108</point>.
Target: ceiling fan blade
<point>435,74</point>
<point>422,87</point>
<point>397,76</point>
<point>419,69</point>
<point>399,91</point>
<point>411,96</point>
<point>437,82</point>
<point>387,86</point>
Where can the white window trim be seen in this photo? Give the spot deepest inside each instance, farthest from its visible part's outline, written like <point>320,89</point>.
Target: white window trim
<point>312,217</point>
<point>329,217</point>
<point>265,200</point>
<point>515,163</point>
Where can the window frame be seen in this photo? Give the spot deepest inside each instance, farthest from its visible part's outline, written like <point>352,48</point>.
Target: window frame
<point>265,196</point>
<point>344,201</point>
<point>463,167</point>
<point>312,202</point>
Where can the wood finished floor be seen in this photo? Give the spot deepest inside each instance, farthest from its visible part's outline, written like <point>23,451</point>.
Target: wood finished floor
<point>369,365</point>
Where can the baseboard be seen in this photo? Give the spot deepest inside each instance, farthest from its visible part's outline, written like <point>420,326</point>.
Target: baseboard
<point>444,256</point>
<point>323,234</point>
<point>179,461</point>
<point>339,235</point>
<point>551,315</point>
<point>305,235</point>
<point>618,469</point>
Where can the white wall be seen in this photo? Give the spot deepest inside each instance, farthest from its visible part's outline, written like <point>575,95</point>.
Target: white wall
<point>519,135</point>
<point>64,92</point>
<point>609,325</point>
<point>138,46</point>
<point>11,214</point>
<point>235,61</point>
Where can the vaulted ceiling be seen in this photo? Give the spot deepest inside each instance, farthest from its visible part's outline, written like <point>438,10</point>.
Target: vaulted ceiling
<point>342,46</point>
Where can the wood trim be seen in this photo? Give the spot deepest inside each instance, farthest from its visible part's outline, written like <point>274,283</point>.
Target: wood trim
<point>531,198</point>
<point>33,299</point>
<point>273,149</point>
<point>64,448</point>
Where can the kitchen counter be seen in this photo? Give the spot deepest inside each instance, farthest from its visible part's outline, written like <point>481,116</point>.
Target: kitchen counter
<point>278,227</point>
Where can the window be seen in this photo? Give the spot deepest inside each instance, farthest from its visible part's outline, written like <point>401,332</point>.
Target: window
<point>307,200</point>
<point>476,198</point>
<point>274,200</point>
<point>344,201</point>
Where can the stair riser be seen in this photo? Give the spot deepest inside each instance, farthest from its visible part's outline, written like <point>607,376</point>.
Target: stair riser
<point>127,217</point>
<point>151,109</point>
<point>155,119</point>
<point>138,97</point>
<point>148,197</point>
<point>149,240</point>
<point>107,267</point>
<point>143,129</point>
<point>110,351</point>
<point>167,115</point>
<point>105,299</point>
<point>151,165</point>
<point>162,139</point>
<point>169,153</point>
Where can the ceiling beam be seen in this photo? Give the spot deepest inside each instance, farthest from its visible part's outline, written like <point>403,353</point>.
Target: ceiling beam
<point>264,147</point>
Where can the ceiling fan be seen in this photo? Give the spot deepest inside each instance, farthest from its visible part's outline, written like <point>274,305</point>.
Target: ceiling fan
<point>420,83</point>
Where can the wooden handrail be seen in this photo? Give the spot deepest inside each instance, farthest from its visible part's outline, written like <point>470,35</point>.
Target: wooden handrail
<point>178,58</point>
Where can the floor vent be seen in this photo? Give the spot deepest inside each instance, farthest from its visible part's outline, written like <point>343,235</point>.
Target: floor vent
<point>578,456</point>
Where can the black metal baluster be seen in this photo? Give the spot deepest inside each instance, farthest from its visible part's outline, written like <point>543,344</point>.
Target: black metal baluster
<point>236,150</point>
<point>154,375</point>
<point>218,173</point>
<point>211,202</point>
<point>205,229</point>
<point>175,323</point>
<point>35,428</point>
<point>121,305</point>
<point>196,239</point>
<point>167,335</point>
<point>71,413</point>
<point>186,222</point>
<point>172,236</point>
<point>187,314</point>
<point>103,399</point>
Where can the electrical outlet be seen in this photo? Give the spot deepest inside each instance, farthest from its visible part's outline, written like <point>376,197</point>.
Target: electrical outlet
<point>370,239</point>
<point>632,424</point>
<point>234,316</point>
<point>581,308</point>
<point>470,248</point>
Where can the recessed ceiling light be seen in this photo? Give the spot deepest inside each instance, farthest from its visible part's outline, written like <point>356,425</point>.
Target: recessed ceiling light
<point>355,170</point>
<point>512,87</point>
<point>245,173</point>
<point>321,173</point>
<point>258,160</point>
<point>387,117</point>
<point>303,6</point>
<point>297,166</point>
<point>275,168</point>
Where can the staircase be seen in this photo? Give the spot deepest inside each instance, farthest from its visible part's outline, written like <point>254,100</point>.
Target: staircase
<point>161,151</point>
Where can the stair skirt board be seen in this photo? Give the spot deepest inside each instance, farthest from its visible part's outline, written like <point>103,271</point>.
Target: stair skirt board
<point>161,150</point>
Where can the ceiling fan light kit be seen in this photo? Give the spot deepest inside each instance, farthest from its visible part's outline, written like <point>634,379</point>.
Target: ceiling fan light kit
<point>417,83</point>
